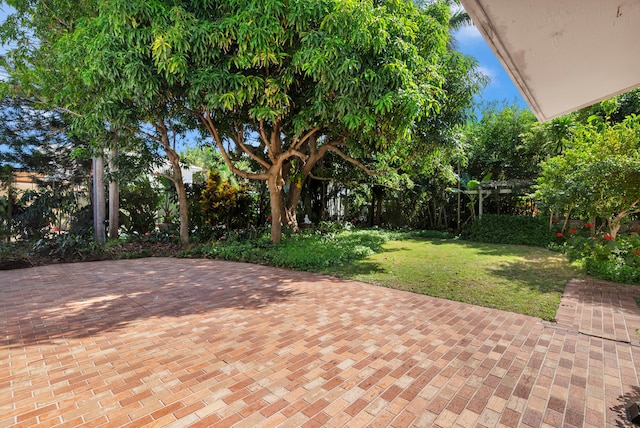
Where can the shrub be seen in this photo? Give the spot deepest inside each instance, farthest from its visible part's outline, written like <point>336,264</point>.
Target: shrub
<point>223,203</point>
<point>138,203</point>
<point>311,251</point>
<point>516,230</point>
<point>606,258</point>
<point>15,255</point>
<point>67,247</point>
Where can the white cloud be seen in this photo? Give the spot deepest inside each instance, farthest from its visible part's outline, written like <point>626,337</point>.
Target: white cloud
<point>488,71</point>
<point>468,34</point>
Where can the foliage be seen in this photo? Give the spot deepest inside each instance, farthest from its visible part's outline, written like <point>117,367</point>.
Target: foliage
<point>605,257</point>
<point>66,247</point>
<point>497,145</point>
<point>222,203</point>
<point>200,230</point>
<point>38,141</point>
<point>549,138</point>
<point>5,217</point>
<point>16,255</point>
<point>516,230</point>
<point>306,78</point>
<point>208,158</point>
<point>37,211</point>
<point>154,236</point>
<point>51,65</point>
<point>599,176</point>
<point>138,203</point>
<point>333,226</point>
<point>307,251</point>
<point>615,109</point>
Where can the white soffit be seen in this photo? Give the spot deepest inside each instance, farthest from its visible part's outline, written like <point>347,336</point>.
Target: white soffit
<point>563,54</point>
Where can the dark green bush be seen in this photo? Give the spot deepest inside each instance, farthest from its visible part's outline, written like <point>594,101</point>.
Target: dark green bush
<point>138,204</point>
<point>15,255</point>
<point>612,271</point>
<point>67,247</point>
<point>516,230</point>
<point>311,251</point>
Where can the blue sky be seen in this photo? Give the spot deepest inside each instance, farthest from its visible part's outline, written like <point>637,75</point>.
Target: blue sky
<point>470,42</point>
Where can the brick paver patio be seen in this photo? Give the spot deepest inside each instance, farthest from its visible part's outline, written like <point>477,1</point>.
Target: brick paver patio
<point>168,342</point>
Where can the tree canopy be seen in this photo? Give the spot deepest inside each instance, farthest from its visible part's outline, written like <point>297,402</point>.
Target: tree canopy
<point>599,176</point>
<point>497,145</point>
<point>274,81</point>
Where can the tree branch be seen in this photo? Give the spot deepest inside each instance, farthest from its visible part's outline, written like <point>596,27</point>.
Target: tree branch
<point>46,6</point>
<point>251,154</point>
<point>293,153</point>
<point>167,176</point>
<point>213,131</point>
<point>140,131</point>
<point>297,142</point>
<point>352,160</point>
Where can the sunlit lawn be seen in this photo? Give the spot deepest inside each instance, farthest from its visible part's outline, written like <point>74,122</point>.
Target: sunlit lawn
<point>526,280</point>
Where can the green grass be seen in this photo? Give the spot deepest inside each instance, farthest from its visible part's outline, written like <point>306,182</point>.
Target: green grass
<point>521,279</point>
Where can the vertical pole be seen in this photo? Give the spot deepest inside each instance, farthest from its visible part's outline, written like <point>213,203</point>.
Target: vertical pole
<point>458,220</point>
<point>98,199</point>
<point>479,202</point>
<point>114,195</point>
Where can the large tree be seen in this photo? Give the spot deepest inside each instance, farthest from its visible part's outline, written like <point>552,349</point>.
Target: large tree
<point>50,65</point>
<point>497,145</point>
<point>279,82</point>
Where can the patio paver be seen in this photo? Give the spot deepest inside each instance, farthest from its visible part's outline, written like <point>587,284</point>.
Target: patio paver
<point>171,342</point>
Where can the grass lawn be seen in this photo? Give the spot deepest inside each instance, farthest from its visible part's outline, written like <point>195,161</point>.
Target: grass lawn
<point>521,279</point>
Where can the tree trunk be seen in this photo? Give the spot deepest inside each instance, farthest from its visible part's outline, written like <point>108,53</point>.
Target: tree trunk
<point>98,200</point>
<point>323,203</point>
<point>372,208</point>
<point>184,209</point>
<point>291,208</point>
<point>566,220</point>
<point>615,223</point>
<point>182,195</point>
<point>276,209</point>
<point>613,230</point>
<point>114,196</point>
<point>379,199</point>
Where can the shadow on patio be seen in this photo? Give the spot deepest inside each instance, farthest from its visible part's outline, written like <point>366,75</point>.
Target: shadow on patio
<point>101,300</point>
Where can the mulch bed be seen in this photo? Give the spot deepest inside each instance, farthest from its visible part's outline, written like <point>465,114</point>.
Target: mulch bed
<point>127,250</point>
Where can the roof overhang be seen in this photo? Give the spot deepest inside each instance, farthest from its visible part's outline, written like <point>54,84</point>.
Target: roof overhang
<point>563,54</point>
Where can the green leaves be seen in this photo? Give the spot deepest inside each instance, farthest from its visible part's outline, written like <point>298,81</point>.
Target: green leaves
<point>599,175</point>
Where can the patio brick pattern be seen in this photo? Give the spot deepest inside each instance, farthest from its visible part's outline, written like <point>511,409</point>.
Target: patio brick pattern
<point>204,343</point>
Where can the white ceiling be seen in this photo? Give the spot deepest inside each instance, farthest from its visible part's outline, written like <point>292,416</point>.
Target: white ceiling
<point>563,54</point>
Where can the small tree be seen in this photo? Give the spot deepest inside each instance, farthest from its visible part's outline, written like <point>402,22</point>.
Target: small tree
<point>225,204</point>
<point>599,176</point>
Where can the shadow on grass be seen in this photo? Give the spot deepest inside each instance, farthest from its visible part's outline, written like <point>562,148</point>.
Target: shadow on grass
<point>534,274</point>
<point>359,267</point>
<point>526,280</point>
<point>486,248</point>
